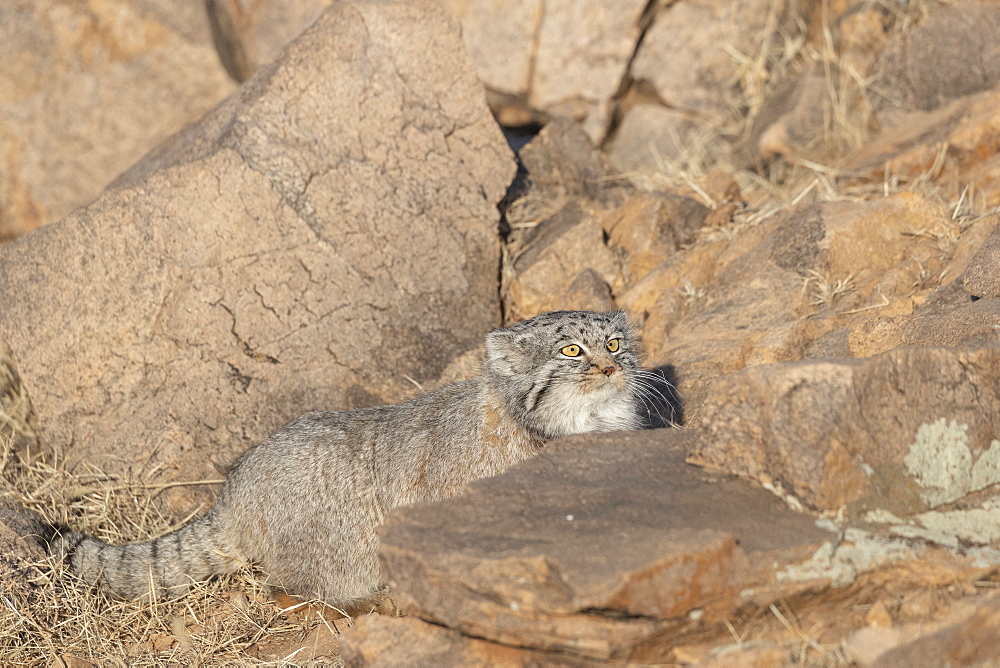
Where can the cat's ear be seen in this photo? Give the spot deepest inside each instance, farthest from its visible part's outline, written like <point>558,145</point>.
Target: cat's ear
<point>503,352</point>
<point>627,325</point>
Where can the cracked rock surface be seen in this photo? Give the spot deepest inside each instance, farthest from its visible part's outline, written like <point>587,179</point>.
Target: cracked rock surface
<point>319,236</point>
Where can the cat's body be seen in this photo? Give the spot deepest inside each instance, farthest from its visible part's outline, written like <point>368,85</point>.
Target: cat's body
<point>305,504</point>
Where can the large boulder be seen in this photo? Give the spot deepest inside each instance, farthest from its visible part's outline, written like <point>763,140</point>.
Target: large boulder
<point>906,431</point>
<point>323,239</point>
<point>603,547</point>
<point>86,89</point>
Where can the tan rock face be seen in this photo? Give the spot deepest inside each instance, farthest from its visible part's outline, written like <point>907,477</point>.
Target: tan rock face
<point>819,111</point>
<point>971,642</point>
<point>911,145</point>
<point>251,33</point>
<point>598,547</point>
<point>584,49</point>
<point>952,53</point>
<point>538,59</point>
<point>982,277</point>
<point>563,251</point>
<point>311,242</point>
<point>86,89</point>
<point>545,58</point>
<point>381,641</point>
<point>649,227</point>
<point>681,56</point>
<point>879,73</point>
<point>18,420</point>
<point>685,74</point>
<point>905,431</point>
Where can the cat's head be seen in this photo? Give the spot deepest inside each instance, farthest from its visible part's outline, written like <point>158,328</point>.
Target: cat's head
<point>567,372</point>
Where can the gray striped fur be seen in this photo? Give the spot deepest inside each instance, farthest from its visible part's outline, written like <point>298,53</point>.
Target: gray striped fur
<point>305,503</point>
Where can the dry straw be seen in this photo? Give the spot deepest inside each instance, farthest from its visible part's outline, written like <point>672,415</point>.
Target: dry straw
<point>54,620</point>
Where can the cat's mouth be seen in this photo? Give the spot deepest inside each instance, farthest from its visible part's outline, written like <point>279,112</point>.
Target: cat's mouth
<point>598,381</point>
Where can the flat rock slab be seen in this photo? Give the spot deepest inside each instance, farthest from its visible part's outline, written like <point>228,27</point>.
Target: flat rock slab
<point>407,641</point>
<point>603,546</point>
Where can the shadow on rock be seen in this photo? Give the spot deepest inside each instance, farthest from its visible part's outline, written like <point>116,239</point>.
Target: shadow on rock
<point>661,402</point>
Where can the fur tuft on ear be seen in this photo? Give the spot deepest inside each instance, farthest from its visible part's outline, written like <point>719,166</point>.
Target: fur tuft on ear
<point>503,355</point>
<point>622,319</point>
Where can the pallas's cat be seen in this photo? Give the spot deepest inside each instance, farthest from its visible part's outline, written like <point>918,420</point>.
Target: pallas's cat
<point>304,505</point>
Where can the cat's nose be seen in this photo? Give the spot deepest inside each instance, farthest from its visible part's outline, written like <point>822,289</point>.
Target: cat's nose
<point>608,370</point>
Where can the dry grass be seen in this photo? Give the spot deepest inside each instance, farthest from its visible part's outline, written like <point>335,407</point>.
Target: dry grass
<point>847,123</point>
<point>56,619</point>
<point>824,291</point>
<point>697,154</point>
<point>690,293</point>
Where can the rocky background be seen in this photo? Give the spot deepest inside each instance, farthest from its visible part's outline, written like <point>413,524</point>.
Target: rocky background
<point>248,209</point>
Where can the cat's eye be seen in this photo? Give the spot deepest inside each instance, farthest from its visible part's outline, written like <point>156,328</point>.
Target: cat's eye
<point>571,351</point>
<point>614,345</point>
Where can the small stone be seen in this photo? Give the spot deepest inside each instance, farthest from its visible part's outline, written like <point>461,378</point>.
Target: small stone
<point>878,616</point>
<point>918,605</point>
<point>865,645</point>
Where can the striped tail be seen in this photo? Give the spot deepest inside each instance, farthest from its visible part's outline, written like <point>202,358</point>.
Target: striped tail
<point>167,566</point>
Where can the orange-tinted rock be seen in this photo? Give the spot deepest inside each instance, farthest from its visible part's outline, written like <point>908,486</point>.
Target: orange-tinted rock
<point>602,546</point>
<point>559,256</point>
<point>396,641</point>
<point>972,642</point>
<point>561,248</point>
<point>972,324</point>
<point>650,227</point>
<point>864,434</point>
<point>965,133</point>
<point>770,292</point>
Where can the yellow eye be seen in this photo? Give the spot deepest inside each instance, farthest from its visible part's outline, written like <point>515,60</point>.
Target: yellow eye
<point>614,344</point>
<point>571,351</point>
